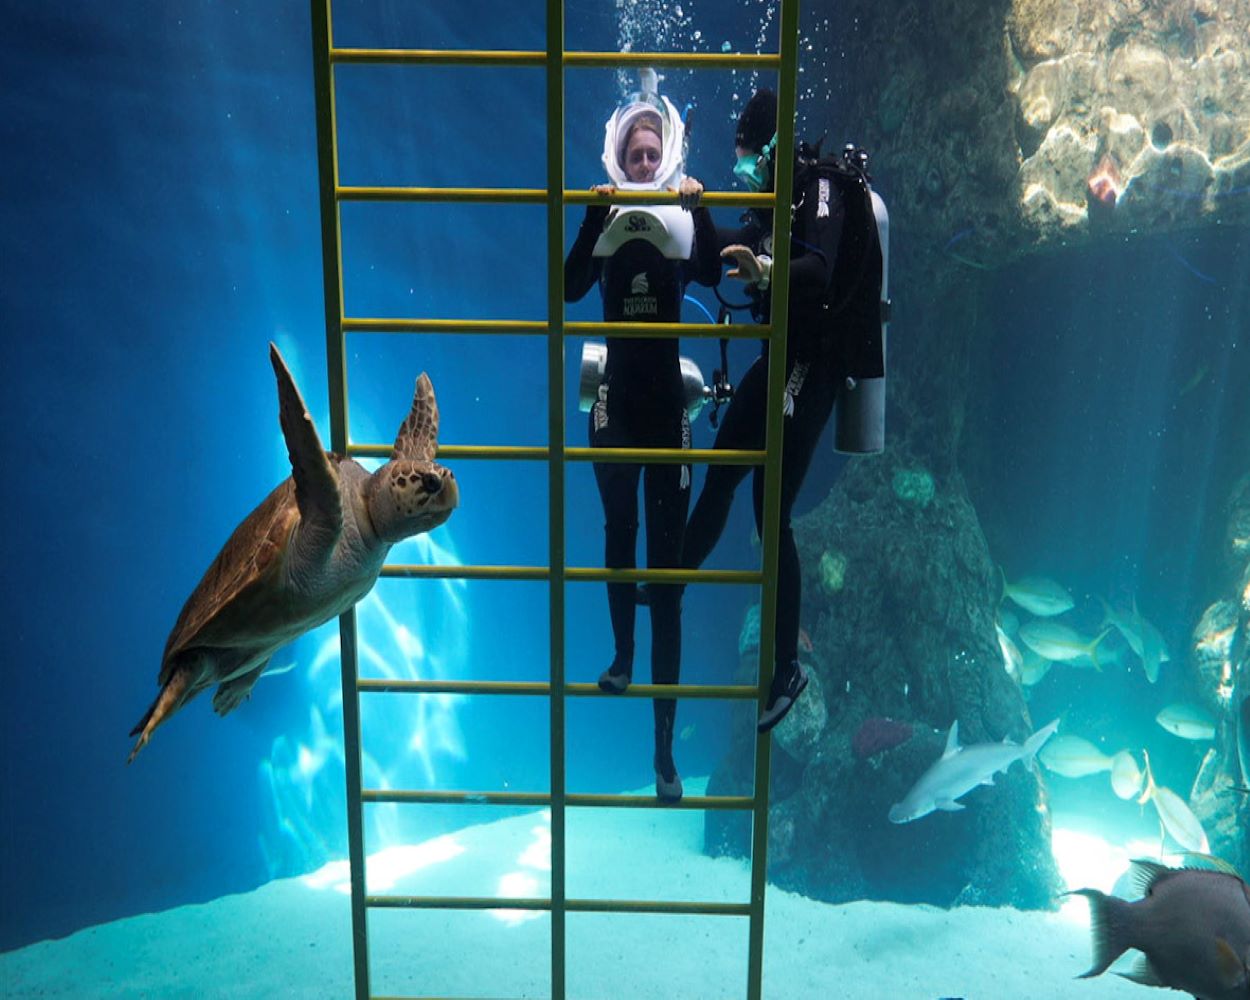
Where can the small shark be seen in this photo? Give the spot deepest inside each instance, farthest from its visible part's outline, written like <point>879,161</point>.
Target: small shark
<point>961,769</point>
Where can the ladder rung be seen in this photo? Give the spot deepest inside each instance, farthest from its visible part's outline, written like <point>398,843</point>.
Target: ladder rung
<point>431,798</point>
<point>704,456</point>
<point>516,57</point>
<point>572,905</point>
<point>651,331</point>
<point>353,324</point>
<point>538,196</point>
<point>370,685</point>
<point>422,572</point>
<point>681,60</point>
<point>401,796</point>
<point>684,692</point>
<point>512,196</point>
<point>578,574</point>
<point>439,57</point>
<point>493,327</point>
<point>719,803</point>
<point>658,906</point>
<point>441,996</point>
<point>455,903</point>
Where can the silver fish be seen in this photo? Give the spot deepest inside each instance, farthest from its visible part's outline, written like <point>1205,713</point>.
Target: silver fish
<point>1189,722</point>
<point>1142,637</point>
<point>1038,594</point>
<point>1192,927</point>
<point>961,769</point>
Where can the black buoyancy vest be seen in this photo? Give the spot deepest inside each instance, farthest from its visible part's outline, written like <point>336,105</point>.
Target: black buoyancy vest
<point>853,303</point>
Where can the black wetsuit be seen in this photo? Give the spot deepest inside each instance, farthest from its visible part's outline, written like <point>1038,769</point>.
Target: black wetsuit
<point>815,369</point>
<point>641,404</point>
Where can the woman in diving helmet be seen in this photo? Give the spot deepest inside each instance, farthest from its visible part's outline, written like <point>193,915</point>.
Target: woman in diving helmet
<point>642,258</point>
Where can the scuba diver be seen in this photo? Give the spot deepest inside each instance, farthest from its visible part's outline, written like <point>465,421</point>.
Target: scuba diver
<point>642,258</point>
<point>835,332</point>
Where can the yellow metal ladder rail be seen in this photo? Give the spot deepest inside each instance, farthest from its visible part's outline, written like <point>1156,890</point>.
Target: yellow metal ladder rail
<point>337,324</point>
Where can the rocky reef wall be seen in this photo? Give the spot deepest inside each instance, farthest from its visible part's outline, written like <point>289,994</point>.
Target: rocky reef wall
<point>1005,127</point>
<point>899,601</point>
<point>1220,655</point>
<point>997,129</point>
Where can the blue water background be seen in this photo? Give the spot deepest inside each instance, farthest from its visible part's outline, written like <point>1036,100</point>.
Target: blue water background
<point>161,226</point>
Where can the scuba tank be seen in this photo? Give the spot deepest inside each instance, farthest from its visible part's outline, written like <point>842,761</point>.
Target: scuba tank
<point>595,359</point>
<point>860,408</point>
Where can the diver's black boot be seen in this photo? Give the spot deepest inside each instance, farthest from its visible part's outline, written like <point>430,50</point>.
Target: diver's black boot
<point>789,680</point>
<point>667,780</point>
<point>616,679</point>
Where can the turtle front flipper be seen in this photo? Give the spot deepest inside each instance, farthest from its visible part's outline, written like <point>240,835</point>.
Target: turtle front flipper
<point>417,440</point>
<point>177,690</point>
<point>316,481</point>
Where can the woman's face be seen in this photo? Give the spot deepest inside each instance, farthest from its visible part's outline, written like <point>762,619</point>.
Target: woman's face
<point>642,156</point>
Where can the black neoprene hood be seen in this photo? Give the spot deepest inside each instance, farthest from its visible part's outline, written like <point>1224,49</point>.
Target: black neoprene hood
<point>758,122</point>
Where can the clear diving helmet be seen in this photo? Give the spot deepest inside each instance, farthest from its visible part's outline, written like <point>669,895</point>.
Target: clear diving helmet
<point>670,228</point>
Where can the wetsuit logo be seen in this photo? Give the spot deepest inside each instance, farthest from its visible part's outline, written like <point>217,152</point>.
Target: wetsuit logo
<point>639,302</point>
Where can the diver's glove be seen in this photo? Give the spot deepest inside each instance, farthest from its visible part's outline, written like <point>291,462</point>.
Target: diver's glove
<point>748,267</point>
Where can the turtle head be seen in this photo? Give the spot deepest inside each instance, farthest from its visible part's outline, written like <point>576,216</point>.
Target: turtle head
<point>407,497</point>
<point>412,493</point>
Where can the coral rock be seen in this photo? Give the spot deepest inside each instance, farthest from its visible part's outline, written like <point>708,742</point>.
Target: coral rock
<point>877,734</point>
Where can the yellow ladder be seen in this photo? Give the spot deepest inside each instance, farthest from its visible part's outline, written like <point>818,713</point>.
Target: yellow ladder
<point>554,60</point>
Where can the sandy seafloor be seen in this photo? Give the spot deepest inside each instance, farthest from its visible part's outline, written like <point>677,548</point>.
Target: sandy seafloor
<point>292,936</point>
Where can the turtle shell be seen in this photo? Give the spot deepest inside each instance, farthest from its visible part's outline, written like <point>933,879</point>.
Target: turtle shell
<point>227,607</point>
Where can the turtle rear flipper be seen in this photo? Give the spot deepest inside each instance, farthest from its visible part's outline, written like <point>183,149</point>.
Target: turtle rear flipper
<point>172,697</point>
<point>234,692</point>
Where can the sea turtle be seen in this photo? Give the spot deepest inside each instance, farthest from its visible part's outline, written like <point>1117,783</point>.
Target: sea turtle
<point>310,551</point>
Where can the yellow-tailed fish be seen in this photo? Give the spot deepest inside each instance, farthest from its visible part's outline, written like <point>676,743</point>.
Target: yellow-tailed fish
<point>1126,776</point>
<point>1073,757</point>
<point>1039,595</point>
<point>1013,662</point>
<point>1034,667</point>
<point>1142,637</point>
<point>1058,642</point>
<point>1174,814</point>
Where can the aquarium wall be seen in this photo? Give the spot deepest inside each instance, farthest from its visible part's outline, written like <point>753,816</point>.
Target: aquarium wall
<point>1068,414</point>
